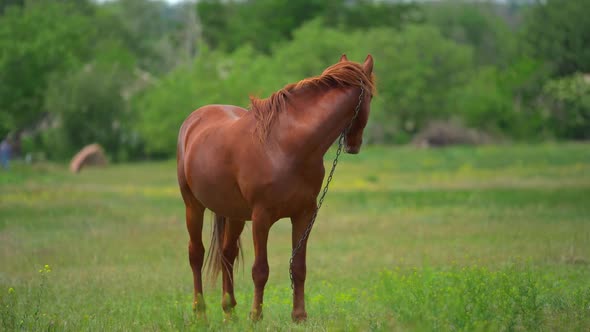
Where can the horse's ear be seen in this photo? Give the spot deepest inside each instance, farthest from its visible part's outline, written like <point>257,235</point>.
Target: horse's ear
<point>368,64</point>
<point>343,58</point>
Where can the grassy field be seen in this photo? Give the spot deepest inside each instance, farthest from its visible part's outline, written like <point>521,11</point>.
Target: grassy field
<point>490,238</point>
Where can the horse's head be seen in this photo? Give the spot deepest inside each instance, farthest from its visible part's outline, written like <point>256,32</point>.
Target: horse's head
<point>354,136</point>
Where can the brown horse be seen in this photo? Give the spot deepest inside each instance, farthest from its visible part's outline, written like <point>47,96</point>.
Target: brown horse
<point>263,165</point>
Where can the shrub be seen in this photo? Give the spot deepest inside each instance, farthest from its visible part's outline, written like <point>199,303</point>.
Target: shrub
<point>565,105</point>
<point>87,107</point>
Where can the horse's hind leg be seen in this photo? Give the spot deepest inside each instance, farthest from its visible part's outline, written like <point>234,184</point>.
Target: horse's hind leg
<point>196,252</point>
<point>230,250</point>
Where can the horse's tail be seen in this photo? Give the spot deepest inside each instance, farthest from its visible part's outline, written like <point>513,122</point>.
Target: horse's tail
<point>215,261</point>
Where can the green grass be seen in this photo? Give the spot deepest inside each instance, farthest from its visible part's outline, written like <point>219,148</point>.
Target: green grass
<point>489,238</point>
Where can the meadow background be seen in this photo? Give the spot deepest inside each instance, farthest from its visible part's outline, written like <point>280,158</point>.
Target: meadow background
<point>489,238</point>
<point>492,233</point>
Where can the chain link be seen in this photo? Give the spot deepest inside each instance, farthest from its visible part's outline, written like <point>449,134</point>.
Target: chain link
<point>305,235</point>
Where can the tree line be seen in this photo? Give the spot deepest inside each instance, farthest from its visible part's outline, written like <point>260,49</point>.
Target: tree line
<point>126,73</point>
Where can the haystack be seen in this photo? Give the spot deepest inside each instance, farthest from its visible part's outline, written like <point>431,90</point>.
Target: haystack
<point>446,133</point>
<point>90,155</point>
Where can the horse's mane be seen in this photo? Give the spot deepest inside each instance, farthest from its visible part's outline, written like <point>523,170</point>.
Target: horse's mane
<point>341,74</point>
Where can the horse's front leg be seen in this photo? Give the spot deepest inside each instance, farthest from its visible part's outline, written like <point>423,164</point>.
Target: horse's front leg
<point>261,223</point>
<point>300,224</point>
<point>231,238</point>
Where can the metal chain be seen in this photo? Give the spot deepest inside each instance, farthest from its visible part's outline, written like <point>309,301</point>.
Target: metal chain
<point>325,190</point>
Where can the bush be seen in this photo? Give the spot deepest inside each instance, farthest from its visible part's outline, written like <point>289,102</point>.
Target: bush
<point>565,105</point>
<point>86,107</point>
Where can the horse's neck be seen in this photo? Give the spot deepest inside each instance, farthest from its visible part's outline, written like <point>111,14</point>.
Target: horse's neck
<point>315,119</point>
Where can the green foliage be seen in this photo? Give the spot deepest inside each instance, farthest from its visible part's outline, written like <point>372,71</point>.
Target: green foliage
<point>495,100</point>
<point>482,25</point>
<point>417,71</point>
<point>35,41</point>
<point>151,30</point>
<point>87,107</point>
<point>7,3</point>
<point>363,14</point>
<point>557,32</point>
<point>44,39</point>
<point>264,24</point>
<point>566,106</point>
<point>260,23</point>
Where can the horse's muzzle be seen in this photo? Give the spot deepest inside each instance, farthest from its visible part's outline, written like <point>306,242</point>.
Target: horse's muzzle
<point>352,149</point>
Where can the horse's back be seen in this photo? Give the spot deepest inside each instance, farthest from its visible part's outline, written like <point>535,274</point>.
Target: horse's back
<point>212,116</point>
<point>207,144</point>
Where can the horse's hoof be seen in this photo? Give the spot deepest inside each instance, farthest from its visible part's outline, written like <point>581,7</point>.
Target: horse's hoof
<point>200,313</point>
<point>255,316</point>
<point>201,317</point>
<point>229,317</point>
<point>299,317</point>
